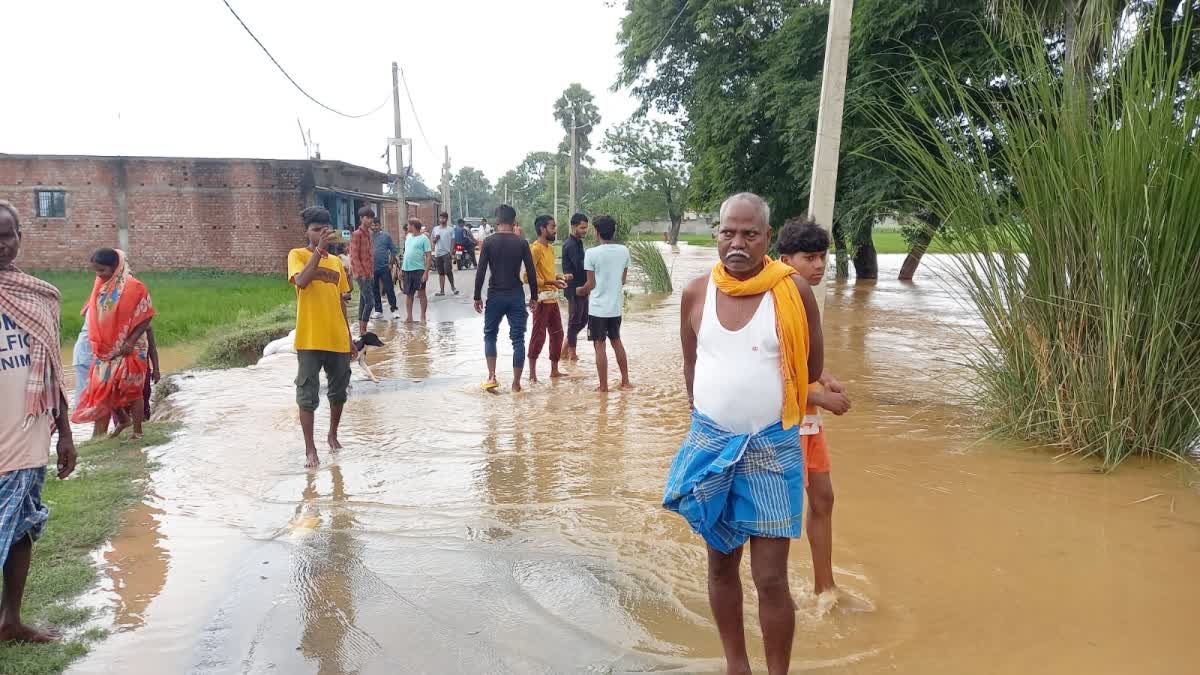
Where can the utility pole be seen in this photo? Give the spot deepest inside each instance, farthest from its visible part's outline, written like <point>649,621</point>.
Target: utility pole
<point>823,190</point>
<point>446,180</point>
<point>398,141</point>
<point>574,161</point>
<point>556,192</point>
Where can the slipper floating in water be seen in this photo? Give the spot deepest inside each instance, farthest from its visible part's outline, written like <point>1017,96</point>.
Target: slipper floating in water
<point>490,386</point>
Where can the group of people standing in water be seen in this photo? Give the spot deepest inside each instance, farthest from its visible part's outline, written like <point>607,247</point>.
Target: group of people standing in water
<point>753,366</point>
<point>753,362</point>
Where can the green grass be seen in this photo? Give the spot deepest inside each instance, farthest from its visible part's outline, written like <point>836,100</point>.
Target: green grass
<point>691,239</point>
<point>189,303</point>
<point>241,343</point>
<point>886,241</point>
<point>648,259</point>
<point>85,511</point>
<point>1084,272</point>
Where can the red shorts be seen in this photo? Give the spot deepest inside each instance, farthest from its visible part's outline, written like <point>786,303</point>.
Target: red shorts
<point>816,453</point>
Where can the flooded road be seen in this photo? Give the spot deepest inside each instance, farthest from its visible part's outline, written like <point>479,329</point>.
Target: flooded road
<point>461,532</point>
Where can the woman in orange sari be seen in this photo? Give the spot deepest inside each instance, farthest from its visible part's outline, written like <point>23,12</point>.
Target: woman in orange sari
<point>118,314</point>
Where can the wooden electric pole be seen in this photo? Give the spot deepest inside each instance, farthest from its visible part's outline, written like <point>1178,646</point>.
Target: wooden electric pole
<point>398,141</point>
<point>823,190</point>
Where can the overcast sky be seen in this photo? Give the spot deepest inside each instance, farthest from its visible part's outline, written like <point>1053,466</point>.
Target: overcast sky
<point>182,78</point>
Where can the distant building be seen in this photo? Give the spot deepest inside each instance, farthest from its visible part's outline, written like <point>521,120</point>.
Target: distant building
<point>170,213</point>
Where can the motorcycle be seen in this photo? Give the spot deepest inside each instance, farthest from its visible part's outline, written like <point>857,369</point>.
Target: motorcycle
<point>462,259</point>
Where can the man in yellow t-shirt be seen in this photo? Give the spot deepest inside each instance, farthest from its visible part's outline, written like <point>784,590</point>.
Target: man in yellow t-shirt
<point>322,328</point>
<point>546,318</point>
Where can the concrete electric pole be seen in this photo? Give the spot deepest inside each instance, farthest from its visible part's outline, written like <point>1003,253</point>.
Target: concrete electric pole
<point>823,192</point>
<point>574,163</point>
<point>446,181</point>
<point>398,142</point>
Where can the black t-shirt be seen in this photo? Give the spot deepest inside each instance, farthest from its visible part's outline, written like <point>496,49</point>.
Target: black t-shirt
<point>504,252</point>
<point>572,263</point>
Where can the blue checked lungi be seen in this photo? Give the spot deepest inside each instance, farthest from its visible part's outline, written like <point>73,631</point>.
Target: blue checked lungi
<point>731,487</point>
<point>21,508</point>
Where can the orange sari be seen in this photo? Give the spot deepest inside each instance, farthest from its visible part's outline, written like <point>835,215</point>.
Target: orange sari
<point>115,381</point>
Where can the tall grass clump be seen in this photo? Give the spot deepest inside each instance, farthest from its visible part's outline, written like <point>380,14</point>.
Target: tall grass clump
<point>1075,203</point>
<point>648,259</point>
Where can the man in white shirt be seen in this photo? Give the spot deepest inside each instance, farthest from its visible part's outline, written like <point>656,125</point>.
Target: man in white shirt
<point>443,253</point>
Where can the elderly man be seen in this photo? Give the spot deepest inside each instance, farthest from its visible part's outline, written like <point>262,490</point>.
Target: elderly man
<point>751,335</point>
<point>34,406</point>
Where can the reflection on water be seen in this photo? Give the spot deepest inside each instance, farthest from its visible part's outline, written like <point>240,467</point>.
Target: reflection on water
<point>461,532</point>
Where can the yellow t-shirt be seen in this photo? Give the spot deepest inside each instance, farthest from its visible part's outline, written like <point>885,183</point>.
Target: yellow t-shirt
<point>543,264</point>
<point>320,322</point>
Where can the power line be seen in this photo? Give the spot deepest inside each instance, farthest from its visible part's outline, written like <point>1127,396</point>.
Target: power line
<point>413,106</point>
<point>293,81</point>
<point>669,29</point>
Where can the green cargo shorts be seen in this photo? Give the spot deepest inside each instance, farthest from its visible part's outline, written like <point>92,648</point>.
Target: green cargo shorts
<point>308,377</point>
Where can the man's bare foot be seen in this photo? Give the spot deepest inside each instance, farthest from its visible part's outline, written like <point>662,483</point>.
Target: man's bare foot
<point>603,389</point>
<point>311,461</point>
<point>120,429</point>
<point>22,633</point>
<point>626,385</point>
<point>555,372</point>
<point>333,442</point>
<point>136,436</point>
<point>533,378</point>
<point>516,385</point>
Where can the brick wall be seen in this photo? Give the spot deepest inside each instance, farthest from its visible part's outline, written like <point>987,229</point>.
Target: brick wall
<point>239,214</point>
<point>425,210</point>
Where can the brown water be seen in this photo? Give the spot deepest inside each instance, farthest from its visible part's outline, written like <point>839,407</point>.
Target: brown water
<point>461,532</point>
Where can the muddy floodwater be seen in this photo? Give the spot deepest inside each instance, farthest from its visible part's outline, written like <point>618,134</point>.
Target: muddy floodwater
<point>462,532</point>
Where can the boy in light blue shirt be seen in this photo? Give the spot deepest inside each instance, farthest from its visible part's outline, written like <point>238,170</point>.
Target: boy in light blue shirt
<point>607,267</point>
<point>418,257</point>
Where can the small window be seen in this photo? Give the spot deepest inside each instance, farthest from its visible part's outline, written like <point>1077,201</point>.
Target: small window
<point>51,203</point>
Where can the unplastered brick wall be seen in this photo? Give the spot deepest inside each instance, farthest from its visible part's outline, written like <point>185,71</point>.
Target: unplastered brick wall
<point>61,243</point>
<point>233,214</point>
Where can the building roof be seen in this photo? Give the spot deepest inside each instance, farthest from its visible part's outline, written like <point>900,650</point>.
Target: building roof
<point>341,167</point>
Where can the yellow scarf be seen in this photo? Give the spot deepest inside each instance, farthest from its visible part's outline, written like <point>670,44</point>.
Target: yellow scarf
<point>791,323</point>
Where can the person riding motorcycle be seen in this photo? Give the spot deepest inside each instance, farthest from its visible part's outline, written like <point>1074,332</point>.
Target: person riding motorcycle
<point>464,237</point>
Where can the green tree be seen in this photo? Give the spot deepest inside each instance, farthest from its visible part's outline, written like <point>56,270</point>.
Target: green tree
<point>576,109</point>
<point>746,77</point>
<point>651,149</point>
<point>471,193</point>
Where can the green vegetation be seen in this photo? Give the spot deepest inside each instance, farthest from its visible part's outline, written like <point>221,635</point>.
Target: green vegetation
<point>746,75</point>
<point>190,303</point>
<point>241,343</point>
<point>1072,198</point>
<point>648,259</point>
<point>690,239</point>
<point>85,511</point>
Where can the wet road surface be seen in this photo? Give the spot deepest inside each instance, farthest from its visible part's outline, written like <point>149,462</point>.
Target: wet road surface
<point>462,532</point>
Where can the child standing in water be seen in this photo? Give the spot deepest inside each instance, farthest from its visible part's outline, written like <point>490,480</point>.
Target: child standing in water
<point>805,247</point>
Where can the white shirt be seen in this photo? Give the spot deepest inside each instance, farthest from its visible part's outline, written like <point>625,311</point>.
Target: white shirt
<point>739,380</point>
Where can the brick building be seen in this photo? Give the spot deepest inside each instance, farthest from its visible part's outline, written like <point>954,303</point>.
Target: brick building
<point>169,213</point>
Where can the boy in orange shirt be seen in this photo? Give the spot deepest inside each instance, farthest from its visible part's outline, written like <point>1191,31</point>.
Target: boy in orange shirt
<point>805,247</point>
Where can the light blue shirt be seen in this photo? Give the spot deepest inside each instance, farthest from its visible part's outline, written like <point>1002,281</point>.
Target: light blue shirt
<point>415,249</point>
<point>445,242</point>
<point>83,346</point>
<point>609,262</point>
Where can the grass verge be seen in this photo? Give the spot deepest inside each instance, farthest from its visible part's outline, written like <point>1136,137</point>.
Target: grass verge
<point>241,344</point>
<point>190,303</point>
<point>85,511</point>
